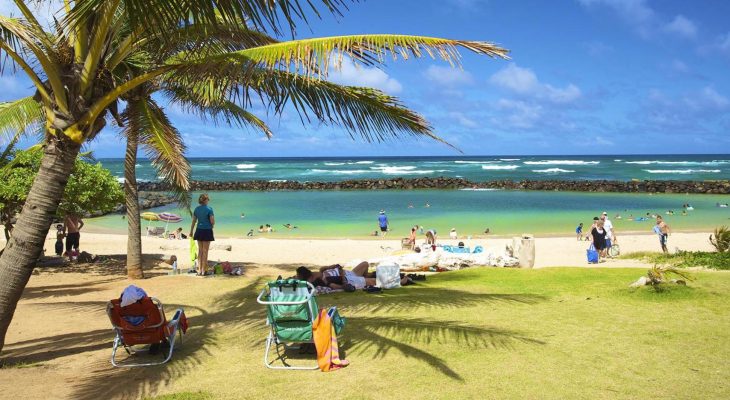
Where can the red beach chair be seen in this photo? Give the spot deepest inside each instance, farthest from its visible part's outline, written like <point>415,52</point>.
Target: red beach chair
<point>144,323</point>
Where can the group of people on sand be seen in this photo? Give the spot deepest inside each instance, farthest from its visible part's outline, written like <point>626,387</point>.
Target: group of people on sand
<point>337,278</point>
<point>70,230</point>
<point>602,234</point>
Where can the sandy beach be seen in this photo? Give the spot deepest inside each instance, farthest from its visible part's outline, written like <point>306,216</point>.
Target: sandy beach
<point>549,251</point>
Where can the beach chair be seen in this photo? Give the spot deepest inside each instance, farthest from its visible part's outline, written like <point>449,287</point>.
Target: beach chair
<point>156,231</point>
<point>291,309</point>
<point>144,323</point>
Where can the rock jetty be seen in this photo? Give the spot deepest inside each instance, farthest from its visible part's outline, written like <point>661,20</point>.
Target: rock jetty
<point>647,186</point>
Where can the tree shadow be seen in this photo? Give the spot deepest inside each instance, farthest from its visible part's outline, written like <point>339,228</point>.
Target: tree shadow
<point>74,289</point>
<point>378,336</point>
<point>416,297</point>
<point>140,382</point>
<point>108,265</point>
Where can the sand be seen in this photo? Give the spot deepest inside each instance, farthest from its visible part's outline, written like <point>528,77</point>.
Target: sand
<point>60,330</point>
<point>549,251</point>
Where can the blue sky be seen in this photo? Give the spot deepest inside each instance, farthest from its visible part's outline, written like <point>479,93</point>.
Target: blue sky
<point>586,77</point>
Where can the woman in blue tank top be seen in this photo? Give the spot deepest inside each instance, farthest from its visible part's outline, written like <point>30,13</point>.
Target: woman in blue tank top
<point>203,216</point>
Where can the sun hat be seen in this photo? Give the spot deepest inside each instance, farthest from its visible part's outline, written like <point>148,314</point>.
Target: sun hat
<point>604,213</point>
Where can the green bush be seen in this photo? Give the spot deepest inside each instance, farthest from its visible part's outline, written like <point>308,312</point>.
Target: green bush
<point>721,239</point>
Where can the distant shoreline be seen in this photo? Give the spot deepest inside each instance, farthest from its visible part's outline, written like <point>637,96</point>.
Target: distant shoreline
<point>447,183</point>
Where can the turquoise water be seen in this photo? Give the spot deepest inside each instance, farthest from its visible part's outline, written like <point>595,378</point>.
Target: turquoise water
<point>354,213</point>
<point>481,168</point>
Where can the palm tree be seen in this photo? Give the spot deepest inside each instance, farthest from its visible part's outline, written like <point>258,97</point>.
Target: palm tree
<point>73,73</point>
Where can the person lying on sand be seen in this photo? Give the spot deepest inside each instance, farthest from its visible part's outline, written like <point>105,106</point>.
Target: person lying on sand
<point>336,277</point>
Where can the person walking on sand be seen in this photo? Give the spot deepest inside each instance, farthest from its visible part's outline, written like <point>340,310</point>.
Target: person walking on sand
<point>579,231</point>
<point>598,238</point>
<point>383,223</point>
<point>203,216</point>
<point>73,224</point>
<point>610,233</point>
<point>662,230</point>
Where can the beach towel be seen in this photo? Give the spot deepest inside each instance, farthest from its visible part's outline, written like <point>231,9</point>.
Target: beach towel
<point>193,251</point>
<point>131,295</point>
<point>325,341</point>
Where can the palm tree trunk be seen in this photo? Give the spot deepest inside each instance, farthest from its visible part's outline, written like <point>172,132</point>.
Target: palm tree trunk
<point>134,234</point>
<point>29,235</point>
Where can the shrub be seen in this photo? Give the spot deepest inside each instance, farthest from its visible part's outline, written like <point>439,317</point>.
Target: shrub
<point>721,239</point>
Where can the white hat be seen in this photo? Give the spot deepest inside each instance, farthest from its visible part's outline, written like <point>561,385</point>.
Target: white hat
<point>604,213</point>
<point>382,212</point>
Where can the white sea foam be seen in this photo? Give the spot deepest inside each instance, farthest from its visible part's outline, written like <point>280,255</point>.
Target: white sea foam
<point>277,180</point>
<point>479,189</point>
<point>340,171</point>
<point>509,159</point>
<point>681,171</point>
<point>618,160</point>
<point>240,171</point>
<point>406,170</point>
<point>362,162</point>
<point>657,162</point>
<point>474,162</point>
<point>562,162</point>
<point>500,167</point>
<point>120,180</point>
<point>552,171</point>
<point>246,166</point>
<point>334,163</point>
<point>389,168</point>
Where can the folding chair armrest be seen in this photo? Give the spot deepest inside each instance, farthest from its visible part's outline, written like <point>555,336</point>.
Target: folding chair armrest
<point>176,317</point>
<point>311,292</point>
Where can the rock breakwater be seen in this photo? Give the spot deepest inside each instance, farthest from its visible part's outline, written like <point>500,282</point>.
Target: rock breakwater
<point>646,186</point>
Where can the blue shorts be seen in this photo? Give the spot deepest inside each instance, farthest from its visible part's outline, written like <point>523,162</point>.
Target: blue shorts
<point>608,243</point>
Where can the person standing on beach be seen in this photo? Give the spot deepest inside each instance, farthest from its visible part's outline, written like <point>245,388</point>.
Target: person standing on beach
<point>73,224</point>
<point>205,219</point>
<point>383,223</point>
<point>579,231</point>
<point>662,230</point>
<point>610,234</point>
<point>598,238</point>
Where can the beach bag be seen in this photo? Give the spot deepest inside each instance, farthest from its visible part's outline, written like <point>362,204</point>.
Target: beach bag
<point>387,276</point>
<point>592,254</point>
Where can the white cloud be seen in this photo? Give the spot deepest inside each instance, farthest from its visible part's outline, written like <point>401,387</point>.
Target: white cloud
<point>351,74</point>
<point>518,114</point>
<point>448,76</point>
<point>682,26</point>
<point>463,120</point>
<point>524,81</point>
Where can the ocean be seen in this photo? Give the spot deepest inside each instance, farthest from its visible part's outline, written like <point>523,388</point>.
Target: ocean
<point>481,168</point>
<point>353,214</point>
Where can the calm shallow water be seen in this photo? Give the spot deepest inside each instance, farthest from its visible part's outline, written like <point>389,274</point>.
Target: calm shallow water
<point>354,213</point>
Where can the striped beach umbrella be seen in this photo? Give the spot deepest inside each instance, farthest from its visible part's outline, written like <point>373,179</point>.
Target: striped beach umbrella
<point>169,218</point>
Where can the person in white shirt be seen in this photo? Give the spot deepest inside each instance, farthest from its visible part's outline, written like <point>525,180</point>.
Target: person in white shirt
<point>610,233</point>
<point>452,234</point>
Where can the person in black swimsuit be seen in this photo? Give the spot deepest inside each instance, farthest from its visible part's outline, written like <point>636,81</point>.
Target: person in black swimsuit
<point>598,238</point>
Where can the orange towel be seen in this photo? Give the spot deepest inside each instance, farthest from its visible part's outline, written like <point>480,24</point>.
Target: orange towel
<point>325,340</point>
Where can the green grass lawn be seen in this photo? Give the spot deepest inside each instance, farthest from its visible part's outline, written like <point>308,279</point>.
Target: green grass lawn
<point>476,334</point>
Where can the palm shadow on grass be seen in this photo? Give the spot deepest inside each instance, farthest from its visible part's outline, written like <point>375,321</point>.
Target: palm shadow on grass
<point>106,381</point>
<point>106,265</point>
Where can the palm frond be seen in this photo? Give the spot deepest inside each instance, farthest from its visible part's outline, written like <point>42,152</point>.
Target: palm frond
<point>162,142</point>
<point>24,116</point>
<point>216,109</point>
<point>201,40</point>
<point>369,113</point>
<point>314,56</point>
<point>156,15</point>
